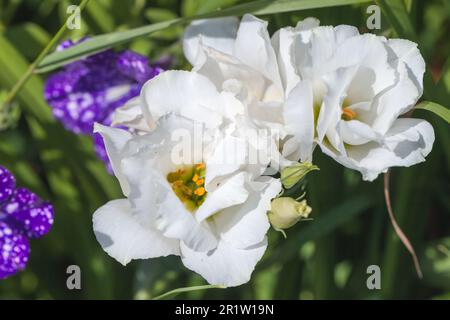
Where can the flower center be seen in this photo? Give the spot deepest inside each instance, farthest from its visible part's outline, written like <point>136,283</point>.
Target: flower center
<point>348,114</point>
<point>188,183</point>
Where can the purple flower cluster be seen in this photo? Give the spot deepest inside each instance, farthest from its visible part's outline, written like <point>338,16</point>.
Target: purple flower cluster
<point>23,216</point>
<point>89,90</point>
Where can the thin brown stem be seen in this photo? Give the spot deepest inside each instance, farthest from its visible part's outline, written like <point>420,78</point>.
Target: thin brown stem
<point>397,228</point>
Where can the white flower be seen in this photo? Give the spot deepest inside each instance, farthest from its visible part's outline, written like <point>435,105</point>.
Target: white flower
<point>347,92</point>
<point>212,214</point>
<point>320,85</point>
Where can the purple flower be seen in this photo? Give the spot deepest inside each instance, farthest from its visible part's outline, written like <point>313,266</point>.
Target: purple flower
<point>23,215</point>
<point>89,90</point>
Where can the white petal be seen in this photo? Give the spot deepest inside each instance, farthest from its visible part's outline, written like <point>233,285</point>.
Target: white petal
<point>337,83</point>
<point>184,93</point>
<point>307,23</point>
<point>248,223</point>
<point>228,155</point>
<point>369,52</point>
<point>115,141</point>
<point>131,115</point>
<point>226,265</point>
<point>124,239</point>
<point>355,132</point>
<point>298,116</point>
<point>231,192</point>
<point>343,32</point>
<point>217,33</point>
<point>254,48</point>
<point>230,74</point>
<point>282,41</point>
<point>406,51</point>
<point>313,50</point>
<point>396,101</point>
<point>408,142</point>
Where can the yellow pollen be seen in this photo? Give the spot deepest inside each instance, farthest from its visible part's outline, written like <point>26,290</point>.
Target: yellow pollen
<point>188,183</point>
<point>348,114</point>
<point>200,191</point>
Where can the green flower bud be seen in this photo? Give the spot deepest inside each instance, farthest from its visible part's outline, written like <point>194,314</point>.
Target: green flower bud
<point>293,174</point>
<point>285,212</point>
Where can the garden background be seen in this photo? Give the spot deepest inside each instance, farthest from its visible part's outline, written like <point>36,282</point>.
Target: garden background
<point>323,258</point>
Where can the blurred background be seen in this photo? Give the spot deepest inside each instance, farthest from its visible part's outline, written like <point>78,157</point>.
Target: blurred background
<point>325,258</point>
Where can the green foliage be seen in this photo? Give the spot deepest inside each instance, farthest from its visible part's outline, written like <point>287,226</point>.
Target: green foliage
<point>323,258</point>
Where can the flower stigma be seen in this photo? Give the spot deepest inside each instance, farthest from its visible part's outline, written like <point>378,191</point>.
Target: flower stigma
<point>188,183</point>
<point>348,114</point>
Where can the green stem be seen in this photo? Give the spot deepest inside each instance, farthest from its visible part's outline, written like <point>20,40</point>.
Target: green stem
<point>26,76</point>
<point>187,289</point>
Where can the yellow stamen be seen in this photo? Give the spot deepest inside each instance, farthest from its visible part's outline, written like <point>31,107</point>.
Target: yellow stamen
<point>200,191</point>
<point>348,114</point>
<point>188,184</point>
<point>200,166</point>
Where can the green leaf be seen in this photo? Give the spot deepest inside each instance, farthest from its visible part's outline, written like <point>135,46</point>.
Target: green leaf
<point>398,16</point>
<point>29,38</point>
<point>437,109</point>
<point>98,17</point>
<point>105,41</point>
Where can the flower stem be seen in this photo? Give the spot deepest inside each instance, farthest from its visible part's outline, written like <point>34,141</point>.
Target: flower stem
<point>187,289</point>
<point>29,72</point>
<point>397,228</point>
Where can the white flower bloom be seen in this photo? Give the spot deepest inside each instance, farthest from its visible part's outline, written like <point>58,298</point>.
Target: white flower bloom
<point>212,214</point>
<point>347,91</point>
<point>321,85</point>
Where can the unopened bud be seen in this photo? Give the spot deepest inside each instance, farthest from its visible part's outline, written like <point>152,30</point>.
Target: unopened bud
<point>293,174</point>
<point>285,212</point>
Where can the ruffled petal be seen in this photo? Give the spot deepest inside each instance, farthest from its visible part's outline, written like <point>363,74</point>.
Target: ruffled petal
<point>408,142</point>
<point>122,236</point>
<point>247,224</point>
<point>225,265</point>
<point>217,33</point>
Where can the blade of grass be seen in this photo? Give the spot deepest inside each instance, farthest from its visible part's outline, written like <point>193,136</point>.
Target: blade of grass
<point>436,108</point>
<point>397,14</point>
<point>29,72</point>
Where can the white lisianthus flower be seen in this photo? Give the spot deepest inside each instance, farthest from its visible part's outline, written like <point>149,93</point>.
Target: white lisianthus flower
<point>322,85</point>
<point>346,93</point>
<point>183,199</point>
